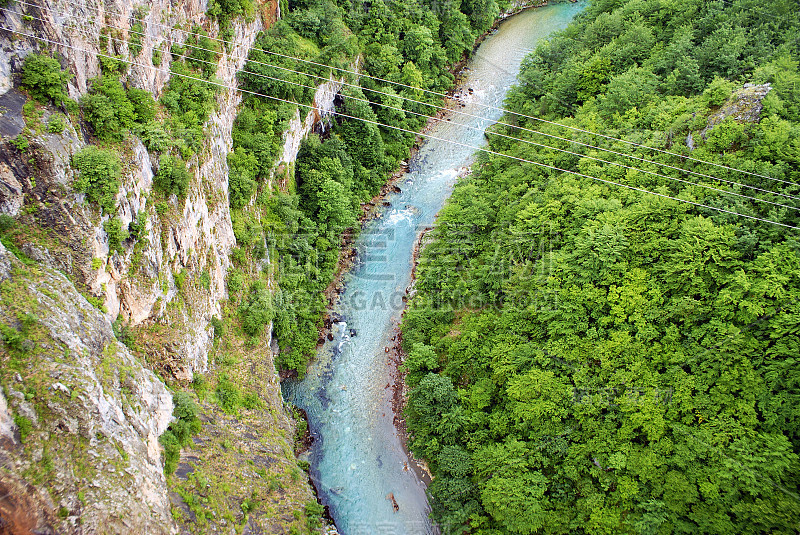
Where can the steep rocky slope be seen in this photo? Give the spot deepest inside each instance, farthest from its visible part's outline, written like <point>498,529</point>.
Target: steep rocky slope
<point>82,417</point>
<point>196,235</point>
<point>80,413</point>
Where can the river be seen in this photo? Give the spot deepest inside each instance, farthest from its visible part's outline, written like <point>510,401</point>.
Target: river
<point>357,458</point>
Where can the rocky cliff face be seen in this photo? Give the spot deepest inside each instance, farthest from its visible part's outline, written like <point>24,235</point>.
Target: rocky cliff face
<point>324,106</point>
<point>80,416</point>
<point>195,236</point>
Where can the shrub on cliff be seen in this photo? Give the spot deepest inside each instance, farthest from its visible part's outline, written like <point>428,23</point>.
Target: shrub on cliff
<point>107,108</point>
<point>257,310</point>
<point>179,434</point>
<point>143,104</point>
<point>228,394</point>
<point>98,176</point>
<point>43,78</point>
<point>116,234</point>
<point>172,176</point>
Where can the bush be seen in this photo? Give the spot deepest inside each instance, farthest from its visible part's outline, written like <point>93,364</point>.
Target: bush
<point>180,279</point>
<point>96,302</point>
<point>172,176</point>
<point>314,512</point>
<point>6,223</point>
<point>154,137</point>
<point>219,327</point>
<point>123,332</point>
<point>200,385</point>
<point>172,451</point>
<point>112,65</point>
<point>226,10</point>
<point>180,432</point>
<point>246,229</point>
<point>718,91</point>
<point>55,124</point>
<point>252,401</point>
<point>135,39</point>
<point>107,108</point>
<point>137,229</point>
<point>229,396</point>
<point>24,425</point>
<point>185,411</point>
<point>116,234</point>
<point>156,57</point>
<point>71,106</point>
<point>725,135</point>
<point>257,311</point>
<point>243,167</point>
<point>239,255</point>
<point>143,104</point>
<point>202,54</point>
<point>43,78</point>
<point>11,337</point>
<point>98,177</point>
<point>21,143</point>
<point>235,282</point>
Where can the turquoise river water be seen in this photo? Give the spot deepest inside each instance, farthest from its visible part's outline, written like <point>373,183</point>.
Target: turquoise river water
<point>357,458</point>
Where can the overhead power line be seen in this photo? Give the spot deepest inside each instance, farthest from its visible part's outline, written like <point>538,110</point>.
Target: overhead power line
<point>424,135</point>
<point>456,111</point>
<point>488,106</point>
<point>705,186</point>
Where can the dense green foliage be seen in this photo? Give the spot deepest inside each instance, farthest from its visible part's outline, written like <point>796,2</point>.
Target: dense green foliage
<point>116,234</point>
<point>172,127</point>
<point>409,42</point>
<point>135,40</point>
<point>224,11</point>
<point>98,176</point>
<point>590,359</point>
<point>189,98</point>
<point>107,108</point>
<point>180,431</point>
<point>112,110</point>
<point>43,78</point>
<point>256,310</point>
<point>228,395</point>
<point>172,176</point>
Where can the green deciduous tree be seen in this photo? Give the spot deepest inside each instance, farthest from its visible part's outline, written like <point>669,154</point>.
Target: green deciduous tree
<point>107,108</point>
<point>242,169</point>
<point>172,176</point>
<point>98,176</point>
<point>257,310</point>
<point>43,78</point>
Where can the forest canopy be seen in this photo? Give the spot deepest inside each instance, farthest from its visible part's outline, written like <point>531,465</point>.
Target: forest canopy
<point>585,358</point>
<point>300,223</point>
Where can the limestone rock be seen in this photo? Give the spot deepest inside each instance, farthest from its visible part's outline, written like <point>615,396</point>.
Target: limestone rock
<point>324,106</point>
<point>197,236</point>
<point>11,194</point>
<point>93,414</point>
<point>743,106</point>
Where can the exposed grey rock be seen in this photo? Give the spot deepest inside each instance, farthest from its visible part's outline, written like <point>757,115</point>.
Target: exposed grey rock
<point>11,121</point>
<point>90,394</point>
<point>743,106</point>
<point>5,264</point>
<point>198,239</point>
<point>6,420</point>
<point>299,128</point>
<point>11,193</point>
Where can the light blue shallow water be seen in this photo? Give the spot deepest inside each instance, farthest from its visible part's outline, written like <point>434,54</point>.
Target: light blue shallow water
<point>357,458</point>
